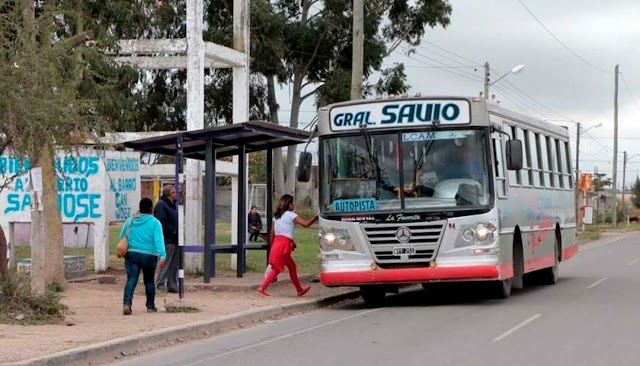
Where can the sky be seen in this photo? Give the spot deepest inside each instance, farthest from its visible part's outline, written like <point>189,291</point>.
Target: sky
<point>569,54</point>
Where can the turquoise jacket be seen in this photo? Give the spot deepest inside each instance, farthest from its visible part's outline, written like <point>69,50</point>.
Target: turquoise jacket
<point>145,236</point>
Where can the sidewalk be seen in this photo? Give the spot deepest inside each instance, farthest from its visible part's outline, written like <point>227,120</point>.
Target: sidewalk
<point>101,331</point>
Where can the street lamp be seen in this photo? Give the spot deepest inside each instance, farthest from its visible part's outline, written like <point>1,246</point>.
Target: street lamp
<point>487,84</point>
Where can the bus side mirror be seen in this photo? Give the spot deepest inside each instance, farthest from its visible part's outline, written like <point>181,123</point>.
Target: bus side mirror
<point>514,154</point>
<point>304,167</point>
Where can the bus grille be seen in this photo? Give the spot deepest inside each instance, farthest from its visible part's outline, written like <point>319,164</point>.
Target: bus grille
<point>424,241</point>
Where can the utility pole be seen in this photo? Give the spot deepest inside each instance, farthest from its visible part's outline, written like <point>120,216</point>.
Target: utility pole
<point>614,213</point>
<point>486,80</point>
<point>624,173</point>
<point>577,179</point>
<point>358,50</point>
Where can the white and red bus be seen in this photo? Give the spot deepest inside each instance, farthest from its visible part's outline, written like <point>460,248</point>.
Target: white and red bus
<point>432,189</point>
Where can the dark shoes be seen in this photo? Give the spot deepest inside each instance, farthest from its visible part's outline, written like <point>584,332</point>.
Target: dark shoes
<point>126,310</point>
<point>152,310</point>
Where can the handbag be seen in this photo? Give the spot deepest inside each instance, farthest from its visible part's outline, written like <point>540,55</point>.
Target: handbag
<point>123,244</point>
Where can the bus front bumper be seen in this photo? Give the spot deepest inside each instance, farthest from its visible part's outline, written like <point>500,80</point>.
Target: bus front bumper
<point>417,275</point>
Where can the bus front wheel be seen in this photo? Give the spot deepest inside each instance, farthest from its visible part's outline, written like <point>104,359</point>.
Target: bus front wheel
<point>373,296</point>
<point>500,289</point>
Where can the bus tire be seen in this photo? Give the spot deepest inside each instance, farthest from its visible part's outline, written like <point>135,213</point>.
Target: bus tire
<point>500,289</point>
<point>373,296</point>
<point>549,276</point>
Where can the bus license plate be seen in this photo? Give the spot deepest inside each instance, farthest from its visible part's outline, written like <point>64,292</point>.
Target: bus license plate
<point>404,250</point>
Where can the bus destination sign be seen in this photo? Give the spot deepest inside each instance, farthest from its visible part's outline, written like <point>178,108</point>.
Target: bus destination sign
<point>400,113</point>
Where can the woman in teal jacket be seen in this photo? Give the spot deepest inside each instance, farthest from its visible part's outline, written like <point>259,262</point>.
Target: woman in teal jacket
<point>146,244</point>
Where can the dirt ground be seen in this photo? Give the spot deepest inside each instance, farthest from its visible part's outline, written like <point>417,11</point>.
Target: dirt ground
<point>96,310</point>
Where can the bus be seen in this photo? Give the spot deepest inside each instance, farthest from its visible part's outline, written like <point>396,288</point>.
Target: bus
<point>422,190</point>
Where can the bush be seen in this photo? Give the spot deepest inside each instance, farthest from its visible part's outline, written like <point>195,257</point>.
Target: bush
<point>19,306</point>
<point>306,213</point>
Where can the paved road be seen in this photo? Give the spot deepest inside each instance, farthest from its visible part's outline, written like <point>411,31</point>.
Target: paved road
<point>590,317</point>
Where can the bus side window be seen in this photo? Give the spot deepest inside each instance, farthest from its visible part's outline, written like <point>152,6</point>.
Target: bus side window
<point>535,167</point>
<point>566,163</point>
<point>527,175</point>
<point>501,181</point>
<point>515,176</point>
<point>559,165</point>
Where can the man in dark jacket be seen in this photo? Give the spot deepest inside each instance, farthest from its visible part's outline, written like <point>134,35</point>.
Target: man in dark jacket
<point>167,213</point>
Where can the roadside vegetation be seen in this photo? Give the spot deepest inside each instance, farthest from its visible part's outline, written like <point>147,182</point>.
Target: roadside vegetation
<point>19,305</point>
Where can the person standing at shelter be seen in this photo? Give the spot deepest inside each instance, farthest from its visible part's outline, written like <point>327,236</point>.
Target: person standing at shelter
<point>282,244</point>
<point>145,245</point>
<point>167,213</point>
<point>255,224</point>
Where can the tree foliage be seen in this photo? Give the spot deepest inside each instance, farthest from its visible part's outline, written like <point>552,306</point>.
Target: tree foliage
<point>635,198</point>
<point>601,181</point>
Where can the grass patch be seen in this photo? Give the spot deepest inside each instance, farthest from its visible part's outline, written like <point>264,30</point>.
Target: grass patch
<point>19,306</point>
<point>306,255</point>
<point>592,232</point>
<point>182,309</point>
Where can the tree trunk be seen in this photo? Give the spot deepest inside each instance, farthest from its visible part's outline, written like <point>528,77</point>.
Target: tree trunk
<point>296,100</point>
<point>47,247</point>
<point>278,161</point>
<point>4,268</point>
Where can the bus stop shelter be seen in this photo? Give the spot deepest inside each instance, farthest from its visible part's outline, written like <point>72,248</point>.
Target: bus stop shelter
<point>213,143</point>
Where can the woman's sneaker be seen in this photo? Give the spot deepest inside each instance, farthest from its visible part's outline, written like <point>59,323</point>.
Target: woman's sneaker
<point>304,291</point>
<point>126,310</point>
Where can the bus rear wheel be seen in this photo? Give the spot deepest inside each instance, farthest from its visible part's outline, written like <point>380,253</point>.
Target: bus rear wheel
<point>549,276</point>
<point>373,296</point>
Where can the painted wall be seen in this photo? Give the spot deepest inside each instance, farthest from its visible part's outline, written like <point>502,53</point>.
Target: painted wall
<point>94,188</point>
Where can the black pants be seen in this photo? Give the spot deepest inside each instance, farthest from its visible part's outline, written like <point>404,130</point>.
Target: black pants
<point>254,234</point>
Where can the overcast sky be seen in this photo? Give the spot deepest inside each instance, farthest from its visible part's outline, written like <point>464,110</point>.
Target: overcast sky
<point>574,83</point>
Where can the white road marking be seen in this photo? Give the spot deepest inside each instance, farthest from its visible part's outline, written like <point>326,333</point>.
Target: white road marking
<point>284,336</point>
<point>597,282</point>
<point>597,245</point>
<point>634,262</point>
<point>508,333</point>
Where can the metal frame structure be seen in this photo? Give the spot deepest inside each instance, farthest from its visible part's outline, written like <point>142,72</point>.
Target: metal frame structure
<point>218,142</point>
<point>195,55</point>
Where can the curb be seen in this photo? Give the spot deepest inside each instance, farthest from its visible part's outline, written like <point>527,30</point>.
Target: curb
<point>127,346</point>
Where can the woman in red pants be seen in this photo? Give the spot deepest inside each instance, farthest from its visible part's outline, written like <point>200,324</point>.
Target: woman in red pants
<point>282,244</point>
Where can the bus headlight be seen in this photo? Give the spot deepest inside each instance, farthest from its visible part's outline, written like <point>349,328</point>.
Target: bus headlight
<point>484,233</point>
<point>338,239</point>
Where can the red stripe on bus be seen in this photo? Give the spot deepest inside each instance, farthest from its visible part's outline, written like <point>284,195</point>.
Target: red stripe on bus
<point>416,275</point>
<point>540,262</point>
<point>569,251</point>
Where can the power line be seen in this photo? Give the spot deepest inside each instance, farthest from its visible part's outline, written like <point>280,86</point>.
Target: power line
<point>560,42</point>
<point>624,81</point>
<point>449,52</point>
<point>459,73</point>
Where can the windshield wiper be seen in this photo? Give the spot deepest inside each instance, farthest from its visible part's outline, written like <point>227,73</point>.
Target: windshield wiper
<point>373,160</point>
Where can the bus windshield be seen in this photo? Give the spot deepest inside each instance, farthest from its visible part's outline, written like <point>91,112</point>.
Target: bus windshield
<point>405,170</point>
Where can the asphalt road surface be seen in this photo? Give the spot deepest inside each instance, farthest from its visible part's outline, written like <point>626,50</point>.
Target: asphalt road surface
<point>590,317</point>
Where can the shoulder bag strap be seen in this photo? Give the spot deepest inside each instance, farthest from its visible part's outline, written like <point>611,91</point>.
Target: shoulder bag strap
<point>130,225</point>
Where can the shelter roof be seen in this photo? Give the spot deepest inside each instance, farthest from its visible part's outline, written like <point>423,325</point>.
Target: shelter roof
<point>255,135</point>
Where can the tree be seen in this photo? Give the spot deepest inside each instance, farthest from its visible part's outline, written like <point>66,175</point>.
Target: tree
<point>599,181</point>
<point>51,86</point>
<point>314,38</point>
<point>635,199</point>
